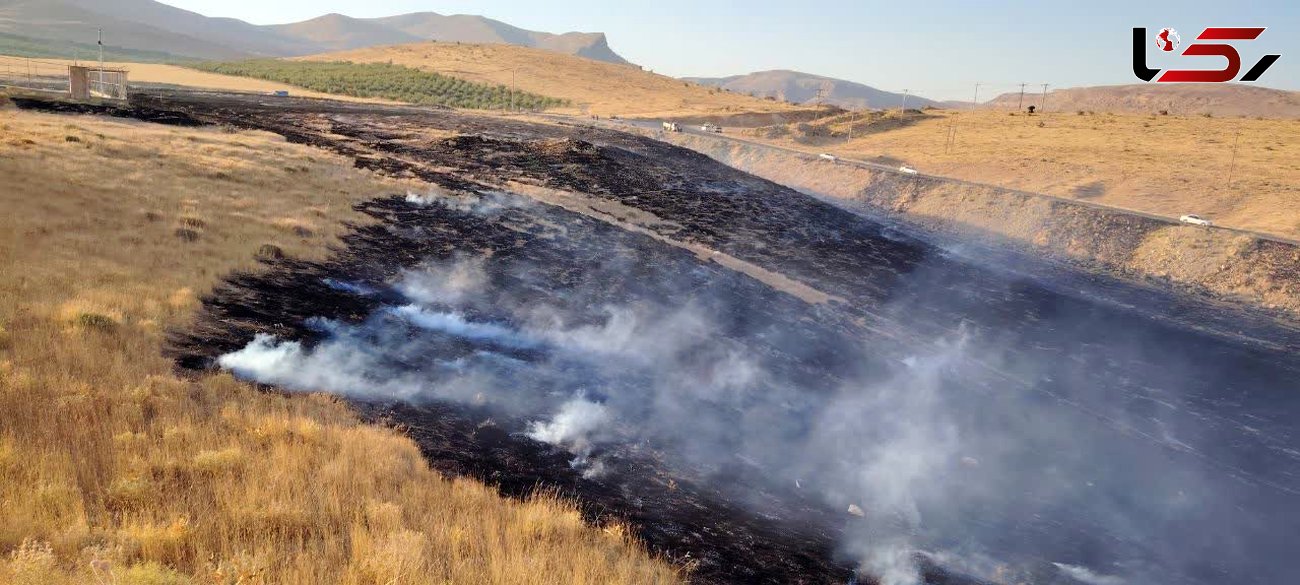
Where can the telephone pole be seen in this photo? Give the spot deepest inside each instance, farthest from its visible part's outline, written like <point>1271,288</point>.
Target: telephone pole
<point>903,109</point>
<point>1232,166</point>
<point>1042,102</point>
<point>976,101</point>
<point>101,60</point>
<point>1021,103</point>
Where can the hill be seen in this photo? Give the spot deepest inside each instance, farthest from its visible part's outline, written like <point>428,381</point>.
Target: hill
<point>806,88</point>
<point>591,86</point>
<point>1240,173</point>
<point>75,21</point>
<point>20,46</point>
<point>146,25</point>
<point>336,32</point>
<point>464,28</point>
<point>1217,99</point>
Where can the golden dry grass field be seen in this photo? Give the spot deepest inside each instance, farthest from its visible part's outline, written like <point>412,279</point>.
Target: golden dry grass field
<point>594,87</point>
<point>115,470</point>
<point>1166,165</point>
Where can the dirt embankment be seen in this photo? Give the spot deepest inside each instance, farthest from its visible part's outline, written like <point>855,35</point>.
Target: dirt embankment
<point>756,119</point>
<point>1224,264</point>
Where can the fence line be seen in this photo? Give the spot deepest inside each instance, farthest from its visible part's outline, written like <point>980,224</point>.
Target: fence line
<point>49,76</point>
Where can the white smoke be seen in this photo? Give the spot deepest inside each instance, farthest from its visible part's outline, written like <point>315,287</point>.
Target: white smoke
<point>475,203</point>
<point>1087,576</point>
<point>457,325</point>
<point>576,428</point>
<point>336,367</point>
<point>440,283</point>
<point>574,425</point>
<point>891,442</point>
<point>874,446</point>
<point>886,445</point>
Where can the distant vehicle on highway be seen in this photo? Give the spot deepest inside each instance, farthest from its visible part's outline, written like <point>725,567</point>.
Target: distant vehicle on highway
<point>1194,219</point>
<point>906,169</point>
<point>711,128</point>
<point>829,157</point>
<point>280,93</point>
<point>671,127</point>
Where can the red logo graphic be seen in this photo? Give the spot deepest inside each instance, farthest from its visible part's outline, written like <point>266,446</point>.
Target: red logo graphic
<point>1168,40</point>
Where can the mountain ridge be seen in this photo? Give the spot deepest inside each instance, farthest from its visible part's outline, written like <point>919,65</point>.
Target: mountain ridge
<point>148,25</point>
<point>808,88</point>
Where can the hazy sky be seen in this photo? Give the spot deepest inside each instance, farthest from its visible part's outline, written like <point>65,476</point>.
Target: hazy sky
<point>937,48</point>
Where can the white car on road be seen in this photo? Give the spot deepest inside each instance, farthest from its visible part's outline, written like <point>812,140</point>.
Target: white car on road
<point>1195,220</point>
<point>906,169</point>
<point>711,128</point>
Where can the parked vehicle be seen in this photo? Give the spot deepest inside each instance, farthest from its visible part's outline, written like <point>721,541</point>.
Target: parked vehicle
<point>671,127</point>
<point>1194,219</point>
<point>824,156</point>
<point>711,128</point>
<point>907,170</point>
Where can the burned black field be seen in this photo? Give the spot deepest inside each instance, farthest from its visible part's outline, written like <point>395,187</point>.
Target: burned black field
<point>767,387</point>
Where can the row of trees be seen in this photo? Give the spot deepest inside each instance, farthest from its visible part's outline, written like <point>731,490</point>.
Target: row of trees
<point>384,80</point>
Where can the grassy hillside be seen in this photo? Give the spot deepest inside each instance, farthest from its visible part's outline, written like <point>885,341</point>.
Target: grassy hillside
<point>388,81</point>
<point>1166,165</point>
<point>115,470</point>
<point>19,46</point>
<point>1185,99</point>
<point>590,86</point>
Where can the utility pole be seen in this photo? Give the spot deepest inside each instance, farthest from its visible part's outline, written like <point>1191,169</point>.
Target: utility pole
<point>1042,102</point>
<point>902,110</point>
<point>976,101</point>
<point>1233,165</point>
<point>852,120</point>
<point>101,60</point>
<point>952,135</point>
<point>1021,103</point>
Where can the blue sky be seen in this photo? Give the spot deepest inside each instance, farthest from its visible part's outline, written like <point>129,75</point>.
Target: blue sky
<point>936,48</point>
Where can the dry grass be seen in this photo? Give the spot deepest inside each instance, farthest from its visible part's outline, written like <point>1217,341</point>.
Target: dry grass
<point>114,470</point>
<point>1166,165</point>
<point>593,86</point>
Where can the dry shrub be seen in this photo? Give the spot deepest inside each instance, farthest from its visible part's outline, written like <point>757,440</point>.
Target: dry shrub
<point>297,227</point>
<point>32,563</point>
<point>193,222</point>
<point>186,235</point>
<point>270,252</point>
<point>96,322</point>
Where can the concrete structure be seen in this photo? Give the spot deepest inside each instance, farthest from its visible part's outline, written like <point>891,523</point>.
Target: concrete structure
<point>93,82</point>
